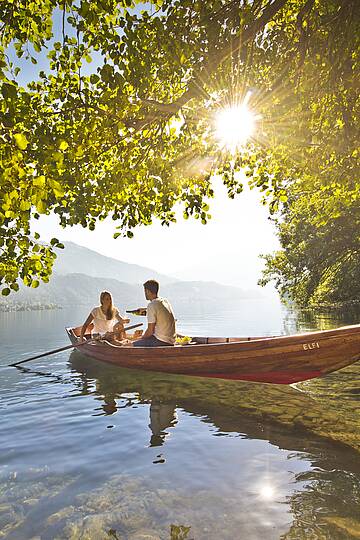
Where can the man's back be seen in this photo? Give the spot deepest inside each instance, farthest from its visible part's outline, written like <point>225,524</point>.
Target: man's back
<point>160,312</point>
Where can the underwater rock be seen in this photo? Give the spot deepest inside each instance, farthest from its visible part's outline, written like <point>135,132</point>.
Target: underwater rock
<point>60,515</point>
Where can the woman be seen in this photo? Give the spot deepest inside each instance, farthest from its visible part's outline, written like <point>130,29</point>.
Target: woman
<point>104,319</point>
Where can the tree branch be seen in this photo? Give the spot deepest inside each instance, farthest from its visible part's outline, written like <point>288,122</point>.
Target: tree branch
<point>203,74</point>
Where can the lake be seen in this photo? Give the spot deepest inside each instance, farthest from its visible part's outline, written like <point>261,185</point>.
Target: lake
<point>91,451</point>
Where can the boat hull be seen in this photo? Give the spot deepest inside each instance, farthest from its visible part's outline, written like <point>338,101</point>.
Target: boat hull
<point>280,360</point>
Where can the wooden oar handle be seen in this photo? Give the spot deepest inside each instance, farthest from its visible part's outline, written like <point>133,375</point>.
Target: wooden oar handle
<point>48,353</point>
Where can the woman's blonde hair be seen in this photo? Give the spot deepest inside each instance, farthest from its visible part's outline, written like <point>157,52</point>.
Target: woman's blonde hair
<point>110,314</point>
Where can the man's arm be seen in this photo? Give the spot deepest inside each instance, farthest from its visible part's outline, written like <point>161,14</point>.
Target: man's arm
<point>151,318</point>
<point>149,331</point>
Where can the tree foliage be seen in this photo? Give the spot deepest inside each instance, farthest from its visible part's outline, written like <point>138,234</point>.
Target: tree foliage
<point>135,135</point>
<point>319,263</point>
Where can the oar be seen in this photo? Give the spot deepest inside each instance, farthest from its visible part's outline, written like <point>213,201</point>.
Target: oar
<point>66,348</point>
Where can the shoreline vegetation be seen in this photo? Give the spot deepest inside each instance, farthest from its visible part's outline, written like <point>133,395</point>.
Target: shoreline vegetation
<point>354,304</point>
<point>334,306</point>
<point>10,307</point>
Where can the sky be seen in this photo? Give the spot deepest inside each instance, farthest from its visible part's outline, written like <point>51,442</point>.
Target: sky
<point>225,250</point>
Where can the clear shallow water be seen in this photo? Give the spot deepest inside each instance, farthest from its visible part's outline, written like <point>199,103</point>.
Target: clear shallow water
<point>92,451</point>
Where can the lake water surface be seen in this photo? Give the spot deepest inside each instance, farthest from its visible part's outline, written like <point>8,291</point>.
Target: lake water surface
<point>91,451</point>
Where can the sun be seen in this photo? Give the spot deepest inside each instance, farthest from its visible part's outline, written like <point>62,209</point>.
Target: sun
<point>234,126</point>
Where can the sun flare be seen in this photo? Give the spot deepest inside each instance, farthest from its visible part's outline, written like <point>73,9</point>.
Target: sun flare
<point>235,126</point>
<point>266,492</point>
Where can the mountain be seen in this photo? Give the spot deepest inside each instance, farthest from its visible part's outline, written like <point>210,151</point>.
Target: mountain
<point>80,274</point>
<point>80,260</point>
<point>80,289</point>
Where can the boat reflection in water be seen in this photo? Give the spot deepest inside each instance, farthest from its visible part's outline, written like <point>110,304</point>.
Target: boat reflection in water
<point>252,405</point>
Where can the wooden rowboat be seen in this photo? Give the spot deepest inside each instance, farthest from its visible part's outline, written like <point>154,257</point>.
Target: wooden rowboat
<point>280,360</point>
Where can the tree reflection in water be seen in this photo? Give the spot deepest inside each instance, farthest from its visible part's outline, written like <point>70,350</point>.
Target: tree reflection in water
<point>326,505</point>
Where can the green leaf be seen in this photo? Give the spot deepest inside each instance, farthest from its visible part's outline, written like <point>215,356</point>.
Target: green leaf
<point>57,188</point>
<point>9,91</point>
<point>6,291</point>
<point>25,205</point>
<point>21,140</point>
<point>63,145</point>
<point>39,181</point>
<point>41,207</point>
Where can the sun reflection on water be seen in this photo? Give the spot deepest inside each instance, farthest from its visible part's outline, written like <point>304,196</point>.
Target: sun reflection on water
<point>266,492</point>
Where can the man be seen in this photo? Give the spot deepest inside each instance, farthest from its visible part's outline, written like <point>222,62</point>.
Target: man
<point>161,321</point>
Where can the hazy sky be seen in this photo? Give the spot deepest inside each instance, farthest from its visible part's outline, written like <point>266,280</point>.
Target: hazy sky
<point>225,250</point>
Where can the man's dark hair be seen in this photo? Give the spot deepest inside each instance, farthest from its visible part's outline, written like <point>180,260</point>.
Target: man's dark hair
<point>152,285</point>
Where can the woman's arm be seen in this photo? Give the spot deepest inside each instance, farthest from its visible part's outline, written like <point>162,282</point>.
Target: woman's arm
<point>118,328</point>
<point>120,319</point>
<point>85,325</point>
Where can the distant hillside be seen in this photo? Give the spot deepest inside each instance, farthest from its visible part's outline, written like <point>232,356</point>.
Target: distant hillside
<point>80,289</point>
<point>72,290</point>
<point>80,260</point>
<point>206,292</point>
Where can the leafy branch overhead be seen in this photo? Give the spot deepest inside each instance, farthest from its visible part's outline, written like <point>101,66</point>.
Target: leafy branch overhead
<point>118,119</point>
